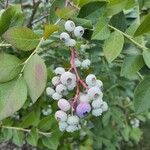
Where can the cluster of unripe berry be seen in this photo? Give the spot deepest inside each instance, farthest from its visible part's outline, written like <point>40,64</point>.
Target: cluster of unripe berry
<point>88,94</point>
<point>90,100</point>
<point>72,30</point>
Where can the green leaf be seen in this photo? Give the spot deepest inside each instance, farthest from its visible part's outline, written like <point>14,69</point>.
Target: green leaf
<point>113,46</point>
<point>32,137</point>
<point>53,141</point>
<point>92,11</point>
<point>146,56</point>
<point>49,29</point>
<point>21,38</point>
<point>116,6</point>
<point>83,2</point>
<point>101,31</point>
<point>144,27</point>
<point>9,67</point>
<point>17,138</point>
<point>82,22</point>
<point>131,30</point>
<point>125,133</point>
<point>7,133</point>
<point>12,97</point>
<point>12,16</point>
<point>136,134</point>
<point>119,21</point>
<point>142,95</point>
<point>106,118</point>
<point>57,4</point>
<point>65,13</point>
<point>31,119</point>
<point>35,74</point>
<point>46,123</point>
<point>131,65</point>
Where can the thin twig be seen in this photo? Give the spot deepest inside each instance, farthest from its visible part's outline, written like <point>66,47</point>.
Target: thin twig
<point>39,19</point>
<point>33,13</point>
<point>5,45</point>
<point>26,130</point>
<point>129,38</point>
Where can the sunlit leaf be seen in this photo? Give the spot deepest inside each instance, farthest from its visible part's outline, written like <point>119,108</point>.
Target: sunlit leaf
<point>35,74</point>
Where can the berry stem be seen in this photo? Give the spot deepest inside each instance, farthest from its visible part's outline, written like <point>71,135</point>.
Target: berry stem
<point>73,66</point>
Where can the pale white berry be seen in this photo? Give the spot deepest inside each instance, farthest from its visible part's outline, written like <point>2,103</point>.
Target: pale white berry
<point>94,93</point>
<point>71,128</point>
<point>69,26</point>
<point>47,112</point>
<point>135,123</point>
<point>99,83</point>
<point>70,43</point>
<point>64,37</point>
<point>90,80</point>
<point>86,63</point>
<point>79,31</point>
<point>56,96</point>
<point>97,112</point>
<point>44,112</point>
<point>60,88</point>
<point>50,91</point>
<point>104,106</point>
<point>71,86</point>
<point>62,126</point>
<point>59,70</point>
<point>55,80</point>
<point>77,62</point>
<point>84,98</point>
<point>64,105</point>
<point>61,116</point>
<point>73,120</point>
<point>67,78</point>
<point>97,103</point>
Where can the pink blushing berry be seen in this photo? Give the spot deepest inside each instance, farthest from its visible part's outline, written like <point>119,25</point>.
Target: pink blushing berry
<point>83,109</point>
<point>64,105</point>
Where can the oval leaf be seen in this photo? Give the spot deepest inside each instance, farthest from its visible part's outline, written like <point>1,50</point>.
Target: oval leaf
<point>101,31</point>
<point>146,56</point>
<point>22,38</point>
<point>113,46</point>
<point>12,16</point>
<point>9,67</point>
<point>144,27</point>
<point>116,6</point>
<point>82,22</point>
<point>142,95</point>
<point>12,97</point>
<point>35,74</point>
<point>131,65</point>
<point>92,11</point>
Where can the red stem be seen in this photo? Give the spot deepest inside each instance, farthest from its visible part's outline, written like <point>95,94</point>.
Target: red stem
<point>79,80</point>
<point>73,66</point>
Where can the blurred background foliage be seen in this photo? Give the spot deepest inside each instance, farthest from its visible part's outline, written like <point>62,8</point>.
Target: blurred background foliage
<point>113,130</point>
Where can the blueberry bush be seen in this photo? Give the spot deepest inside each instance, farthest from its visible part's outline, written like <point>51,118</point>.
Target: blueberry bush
<point>74,74</point>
